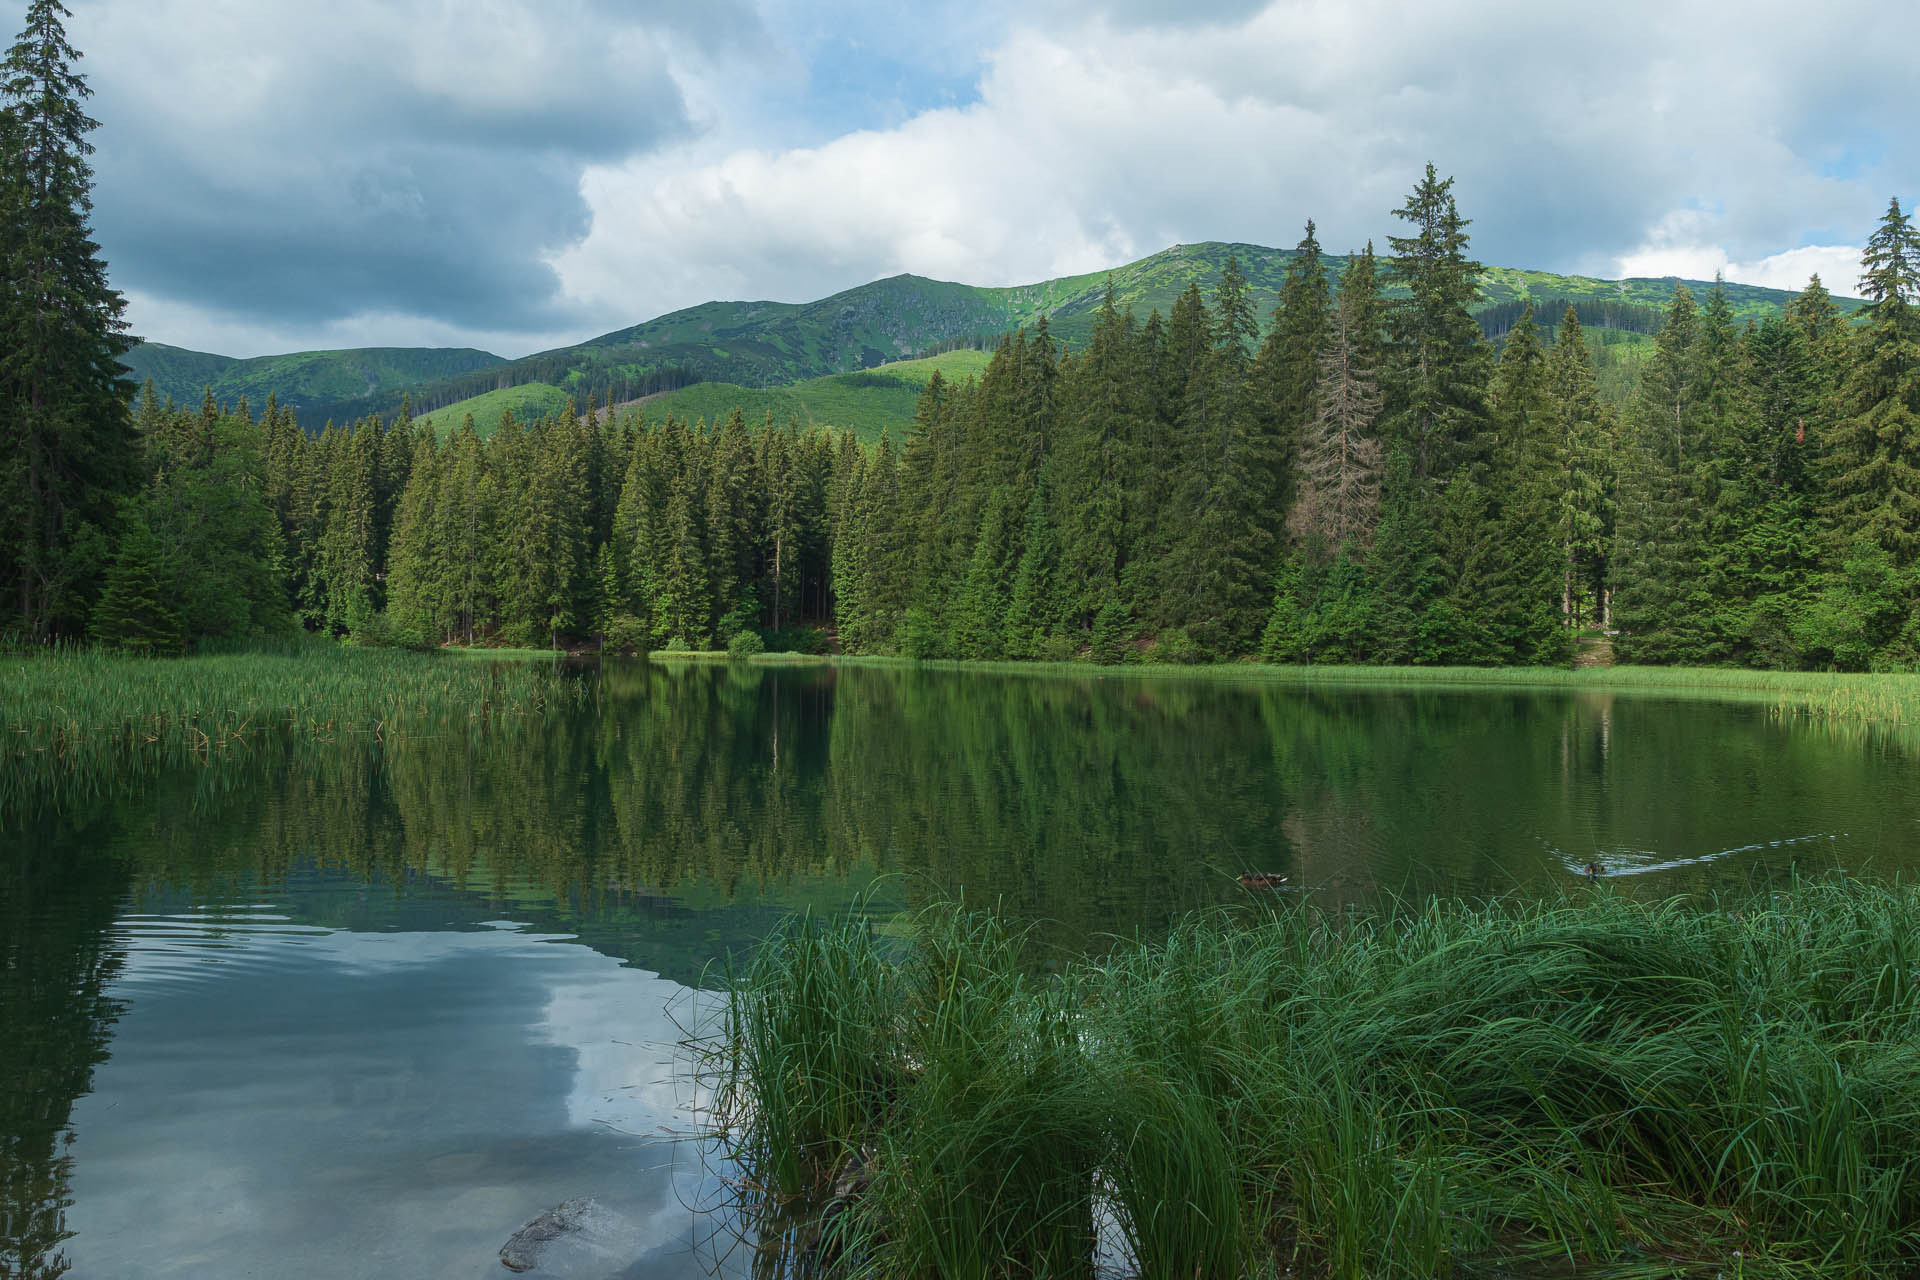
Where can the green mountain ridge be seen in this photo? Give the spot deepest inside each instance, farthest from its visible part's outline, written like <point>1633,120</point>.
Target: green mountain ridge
<point>301,378</point>
<point>765,345</point>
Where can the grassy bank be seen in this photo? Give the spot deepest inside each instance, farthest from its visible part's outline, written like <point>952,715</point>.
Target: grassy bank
<point>1591,1087</point>
<point>1887,699</point>
<point>70,713</point>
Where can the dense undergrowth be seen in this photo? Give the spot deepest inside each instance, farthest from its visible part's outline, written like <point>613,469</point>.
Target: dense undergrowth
<point>1592,1087</point>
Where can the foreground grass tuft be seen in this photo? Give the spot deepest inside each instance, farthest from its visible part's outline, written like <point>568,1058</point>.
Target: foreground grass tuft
<point>1596,1084</point>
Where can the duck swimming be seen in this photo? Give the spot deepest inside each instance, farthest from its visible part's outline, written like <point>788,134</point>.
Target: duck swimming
<point>1261,880</point>
<point>1593,869</point>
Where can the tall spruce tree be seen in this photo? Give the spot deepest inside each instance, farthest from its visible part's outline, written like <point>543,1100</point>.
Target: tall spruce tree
<point>1338,473</point>
<point>418,598</point>
<point>1874,454</point>
<point>1437,397</point>
<point>1660,601</point>
<point>1102,422</point>
<point>67,447</point>
<point>1286,373</point>
<point>1583,432</point>
<point>1770,542</point>
<point>347,567</point>
<point>1221,572</point>
<point>1528,473</point>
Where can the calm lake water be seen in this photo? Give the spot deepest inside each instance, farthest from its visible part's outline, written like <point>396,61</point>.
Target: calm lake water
<point>363,1009</point>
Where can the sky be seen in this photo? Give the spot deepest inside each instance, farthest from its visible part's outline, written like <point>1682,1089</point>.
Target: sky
<point>515,175</point>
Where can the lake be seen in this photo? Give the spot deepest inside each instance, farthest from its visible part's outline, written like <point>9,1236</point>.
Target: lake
<point>364,1007</point>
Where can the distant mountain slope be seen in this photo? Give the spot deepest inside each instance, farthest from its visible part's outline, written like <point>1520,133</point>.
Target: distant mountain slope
<point>868,401</point>
<point>764,345</point>
<point>308,380</point>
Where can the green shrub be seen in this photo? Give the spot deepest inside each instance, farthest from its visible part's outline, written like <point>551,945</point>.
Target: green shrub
<point>796,640</point>
<point>1176,646</point>
<point>920,637</point>
<point>626,634</point>
<point>1058,648</point>
<point>744,645</point>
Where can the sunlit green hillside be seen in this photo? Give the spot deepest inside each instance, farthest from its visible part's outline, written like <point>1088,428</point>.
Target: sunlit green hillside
<point>867,400</point>
<point>785,357</point>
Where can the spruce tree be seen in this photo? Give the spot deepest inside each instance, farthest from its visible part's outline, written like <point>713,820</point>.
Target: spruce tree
<point>1437,397</point>
<point>1824,330</point>
<point>1338,484</point>
<point>1406,567</point>
<point>1529,470</point>
<point>1034,611</point>
<point>1286,373</point>
<point>346,549</point>
<point>68,452</point>
<point>418,595</point>
<point>1661,599</point>
<point>685,604</point>
<point>847,567</point>
<point>1768,552</point>
<point>135,611</point>
<point>1874,454</point>
<point>978,620</point>
<point>465,513</point>
<point>1220,575</point>
<point>1102,422</point>
<point>1583,432</point>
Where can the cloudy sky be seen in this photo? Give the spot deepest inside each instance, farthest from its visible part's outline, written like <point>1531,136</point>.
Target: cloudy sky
<point>520,174</point>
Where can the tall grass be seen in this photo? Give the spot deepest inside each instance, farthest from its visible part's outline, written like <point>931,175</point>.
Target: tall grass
<point>1616,1088</point>
<point>1884,698</point>
<point>73,714</point>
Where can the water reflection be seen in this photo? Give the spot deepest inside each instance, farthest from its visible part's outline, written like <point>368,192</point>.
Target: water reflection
<point>294,1101</point>
<point>56,1018</point>
<point>327,1041</point>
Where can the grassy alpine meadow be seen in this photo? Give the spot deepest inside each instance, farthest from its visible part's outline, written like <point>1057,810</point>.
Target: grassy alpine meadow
<point>1590,1086</point>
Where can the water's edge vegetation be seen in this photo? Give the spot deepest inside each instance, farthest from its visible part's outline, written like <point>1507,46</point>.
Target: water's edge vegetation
<point>87,718</point>
<point>1615,1088</point>
<point>67,702</point>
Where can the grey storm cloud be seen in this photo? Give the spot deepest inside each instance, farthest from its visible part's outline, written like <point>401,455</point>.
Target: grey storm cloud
<point>277,172</point>
<point>308,163</point>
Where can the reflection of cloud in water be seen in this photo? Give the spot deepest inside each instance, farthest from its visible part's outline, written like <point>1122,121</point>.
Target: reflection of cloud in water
<point>1640,862</point>
<point>308,1102</point>
<point>623,1038</point>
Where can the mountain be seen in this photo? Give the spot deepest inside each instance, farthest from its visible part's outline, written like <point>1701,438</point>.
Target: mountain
<point>307,380</point>
<point>769,345</point>
<point>868,401</point>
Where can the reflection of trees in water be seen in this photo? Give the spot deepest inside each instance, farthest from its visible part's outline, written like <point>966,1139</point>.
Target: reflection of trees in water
<point>55,1022</point>
<point>711,798</point>
<point>1092,805</point>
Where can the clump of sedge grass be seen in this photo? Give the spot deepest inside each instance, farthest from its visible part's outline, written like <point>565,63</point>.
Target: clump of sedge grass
<point>1619,1088</point>
<point>72,720</point>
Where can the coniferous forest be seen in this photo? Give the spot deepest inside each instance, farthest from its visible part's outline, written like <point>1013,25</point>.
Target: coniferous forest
<point>1362,477</point>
